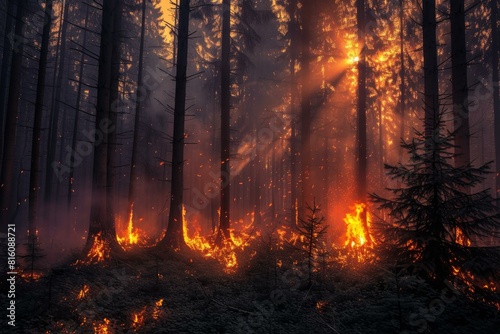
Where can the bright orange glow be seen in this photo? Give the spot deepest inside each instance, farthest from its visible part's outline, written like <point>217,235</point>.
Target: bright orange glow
<point>83,292</point>
<point>226,253</point>
<point>99,252</point>
<point>102,328</point>
<point>157,309</point>
<point>356,236</point>
<point>138,318</point>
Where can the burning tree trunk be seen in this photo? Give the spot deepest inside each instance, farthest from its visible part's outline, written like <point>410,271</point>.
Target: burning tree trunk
<point>459,82</point>
<point>137,119</point>
<point>8,154</point>
<point>174,237</point>
<point>431,90</point>
<point>496,89</point>
<point>37,126</point>
<point>361,111</point>
<point>225,194</point>
<point>101,228</point>
<point>6,60</point>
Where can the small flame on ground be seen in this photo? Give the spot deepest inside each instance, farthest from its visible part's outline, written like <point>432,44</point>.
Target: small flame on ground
<point>157,309</point>
<point>99,252</point>
<point>226,253</point>
<point>138,318</point>
<point>83,292</point>
<point>102,328</point>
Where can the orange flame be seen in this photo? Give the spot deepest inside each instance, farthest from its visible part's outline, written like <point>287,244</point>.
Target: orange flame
<point>226,253</point>
<point>102,328</point>
<point>356,236</point>
<point>83,292</point>
<point>99,252</point>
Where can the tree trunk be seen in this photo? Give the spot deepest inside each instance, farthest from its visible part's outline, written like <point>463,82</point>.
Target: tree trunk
<point>460,85</point>
<point>137,119</point>
<point>71,188</point>
<point>292,27</point>
<point>361,135</point>
<point>431,90</point>
<point>54,115</point>
<point>9,149</point>
<point>99,222</point>
<point>6,60</point>
<point>305,115</point>
<point>37,126</point>
<point>113,112</point>
<point>225,193</point>
<point>174,237</point>
<point>496,90</point>
<point>402,74</point>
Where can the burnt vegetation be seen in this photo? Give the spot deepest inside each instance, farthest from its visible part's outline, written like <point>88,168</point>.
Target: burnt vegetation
<point>250,166</point>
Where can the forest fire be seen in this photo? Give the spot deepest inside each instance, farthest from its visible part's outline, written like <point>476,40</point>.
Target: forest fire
<point>130,235</point>
<point>356,232</point>
<point>224,253</point>
<point>83,292</point>
<point>262,166</point>
<point>357,238</point>
<point>99,252</point>
<point>138,318</point>
<point>102,327</point>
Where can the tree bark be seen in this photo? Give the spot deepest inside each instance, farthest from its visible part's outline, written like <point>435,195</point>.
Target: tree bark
<point>9,149</point>
<point>137,119</point>
<point>54,114</point>
<point>496,89</point>
<point>225,192</point>
<point>6,61</point>
<point>305,115</point>
<point>99,222</point>
<point>402,74</point>
<point>174,237</point>
<point>361,113</point>
<point>431,90</point>
<point>113,112</point>
<point>71,188</point>
<point>37,126</point>
<point>460,85</point>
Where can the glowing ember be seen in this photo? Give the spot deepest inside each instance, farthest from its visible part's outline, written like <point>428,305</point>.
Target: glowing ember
<point>356,236</point>
<point>102,328</point>
<point>83,292</point>
<point>138,318</point>
<point>28,276</point>
<point>157,309</point>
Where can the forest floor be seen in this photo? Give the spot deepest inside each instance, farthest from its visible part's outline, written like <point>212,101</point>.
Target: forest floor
<point>187,293</point>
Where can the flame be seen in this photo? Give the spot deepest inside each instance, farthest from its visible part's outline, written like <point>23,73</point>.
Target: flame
<point>102,328</point>
<point>461,239</point>
<point>99,252</point>
<point>355,230</point>
<point>130,235</point>
<point>226,253</point>
<point>138,318</point>
<point>157,309</point>
<point>83,292</point>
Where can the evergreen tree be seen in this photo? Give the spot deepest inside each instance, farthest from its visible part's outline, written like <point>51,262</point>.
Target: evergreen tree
<point>434,224</point>
<point>312,231</point>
